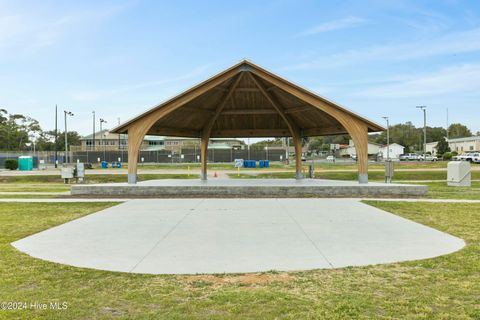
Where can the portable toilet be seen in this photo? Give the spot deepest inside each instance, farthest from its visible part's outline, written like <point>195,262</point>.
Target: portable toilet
<point>25,163</point>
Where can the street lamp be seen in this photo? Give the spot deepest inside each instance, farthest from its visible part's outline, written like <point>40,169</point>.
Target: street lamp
<point>103,137</point>
<point>424,108</point>
<point>66,113</point>
<point>93,136</point>
<point>388,138</point>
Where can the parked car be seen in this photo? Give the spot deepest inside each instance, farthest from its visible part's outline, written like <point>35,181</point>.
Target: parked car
<point>428,157</point>
<point>409,157</point>
<point>330,158</point>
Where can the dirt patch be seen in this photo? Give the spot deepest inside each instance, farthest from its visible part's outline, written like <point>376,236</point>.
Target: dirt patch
<point>245,279</point>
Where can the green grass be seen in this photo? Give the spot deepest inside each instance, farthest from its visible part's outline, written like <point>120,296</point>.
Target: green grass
<point>352,175</point>
<point>440,190</point>
<point>446,287</point>
<point>33,187</point>
<point>92,178</point>
<point>29,196</point>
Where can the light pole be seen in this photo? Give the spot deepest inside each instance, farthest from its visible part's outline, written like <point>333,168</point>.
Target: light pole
<point>93,136</point>
<point>56,137</point>
<point>388,138</point>
<point>424,108</point>
<point>66,113</point>
<point>103,138</point>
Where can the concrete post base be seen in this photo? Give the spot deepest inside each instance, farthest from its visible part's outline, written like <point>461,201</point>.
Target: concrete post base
<point>132,178</point>
<point>298,175</point>
<point>363,177</point>
<point>203,176</point>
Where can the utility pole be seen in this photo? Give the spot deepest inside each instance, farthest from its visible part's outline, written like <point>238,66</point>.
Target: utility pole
<point>388,138</point>
<point>56,135</point>
<point>66,113</point>
<point>119,134</point>
<point>447,124</point>
<point>424,109</point>
<point>103,139</point>
<point>93,132</point>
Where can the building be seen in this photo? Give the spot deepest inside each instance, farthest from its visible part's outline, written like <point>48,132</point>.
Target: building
<point>105,140</point>
<point>394,151</point>
<point>466,144</point>
<point>459,145</point>
<point>431,148</point>
<point>350,150</point>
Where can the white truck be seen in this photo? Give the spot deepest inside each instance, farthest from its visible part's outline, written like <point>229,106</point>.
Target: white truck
<point>409,157</point>
<point>469,156</point>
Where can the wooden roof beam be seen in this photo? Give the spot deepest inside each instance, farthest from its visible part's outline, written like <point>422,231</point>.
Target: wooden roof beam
<point>248,111</point>
<point>290,123</point>
<point>195,109</point>
<point>300,109</point>
<point>239,133</point>
<point>175,132</point>
<point>208,127</point>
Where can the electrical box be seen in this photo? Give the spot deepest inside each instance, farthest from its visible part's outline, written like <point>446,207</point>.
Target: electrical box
<point>67,172</point>
<point>459,174</point>
<point>80,170</point>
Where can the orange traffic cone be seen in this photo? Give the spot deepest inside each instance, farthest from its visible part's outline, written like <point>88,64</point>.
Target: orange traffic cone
<point>215,175</point>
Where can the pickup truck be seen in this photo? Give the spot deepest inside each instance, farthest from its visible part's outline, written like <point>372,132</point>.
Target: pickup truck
<point>409,157</point>
<point>469,156</point>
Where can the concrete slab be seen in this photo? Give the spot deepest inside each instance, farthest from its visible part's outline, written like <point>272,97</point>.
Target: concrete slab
<point>249,188</point>
<point>189,236</point>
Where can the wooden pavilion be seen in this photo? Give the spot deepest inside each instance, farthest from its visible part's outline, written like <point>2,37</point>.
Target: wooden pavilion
<point>248,101</point>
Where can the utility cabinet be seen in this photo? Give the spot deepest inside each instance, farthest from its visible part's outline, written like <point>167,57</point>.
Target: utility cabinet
<point>459,174</point>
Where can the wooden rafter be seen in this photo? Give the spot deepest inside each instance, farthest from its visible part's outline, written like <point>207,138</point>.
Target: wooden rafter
<point>248,111</point>
<point>291,124</point>
<point>208,127</point>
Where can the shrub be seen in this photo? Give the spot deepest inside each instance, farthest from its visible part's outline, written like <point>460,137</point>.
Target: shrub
<point>454,153</point>
<point>447,156</point>
<point>11,164</point>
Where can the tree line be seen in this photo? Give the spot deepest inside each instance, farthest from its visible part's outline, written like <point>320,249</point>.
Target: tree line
<point>19,133</point>
<point>405,134</point>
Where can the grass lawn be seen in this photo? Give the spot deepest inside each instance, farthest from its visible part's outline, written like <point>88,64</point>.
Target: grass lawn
<point>55,181</point>
<point>440,190</point>
<point>33,187</point>
<point>447,287</point>
<point>351,175</point>
<point>29,196</point>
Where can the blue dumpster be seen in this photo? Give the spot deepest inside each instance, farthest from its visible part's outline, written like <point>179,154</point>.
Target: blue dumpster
<point>266,163</point>
<point>261,163</point>
<point>104,164</point>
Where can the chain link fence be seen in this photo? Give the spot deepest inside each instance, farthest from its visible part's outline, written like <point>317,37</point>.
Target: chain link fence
<point>161,156</point>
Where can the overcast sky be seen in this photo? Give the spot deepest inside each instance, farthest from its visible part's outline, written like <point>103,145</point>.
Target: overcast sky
<point>121,57</point>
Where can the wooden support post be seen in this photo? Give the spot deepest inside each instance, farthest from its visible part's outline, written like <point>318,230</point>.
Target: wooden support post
<point>203,157</point>
<point>297,140</point>
<point>135,139</point>
<point>360,140</point>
